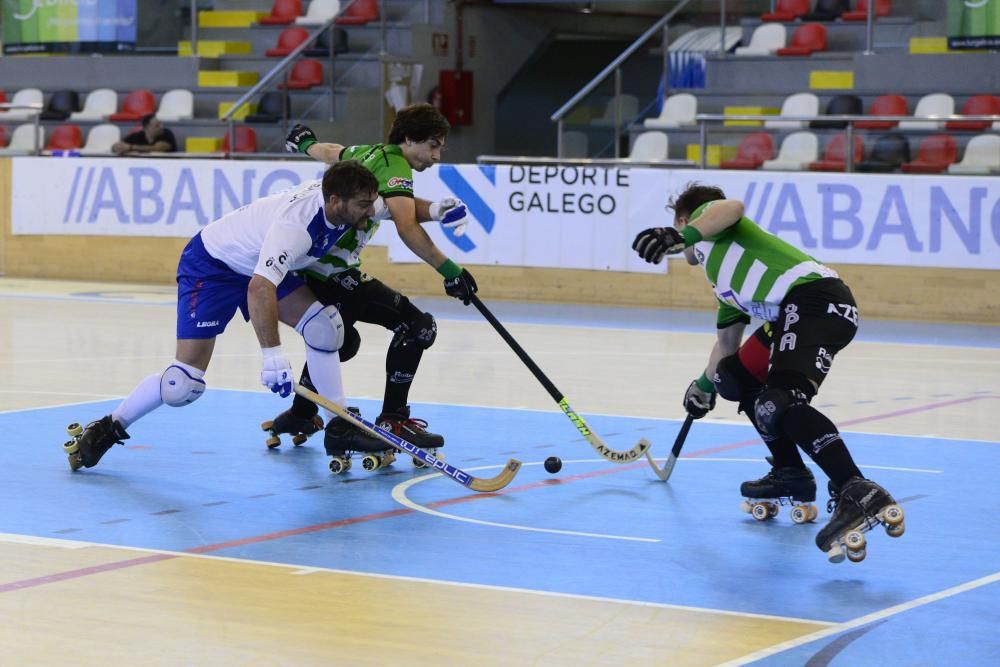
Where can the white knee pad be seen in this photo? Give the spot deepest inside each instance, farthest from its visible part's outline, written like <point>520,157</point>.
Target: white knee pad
<point>181,384</point>
<point>322,328</point>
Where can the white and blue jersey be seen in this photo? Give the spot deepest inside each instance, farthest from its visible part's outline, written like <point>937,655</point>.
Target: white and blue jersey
<point>270,237</point>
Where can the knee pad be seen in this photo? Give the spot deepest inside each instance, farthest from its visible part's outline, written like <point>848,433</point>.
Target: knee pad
<point>770,408</point>
<point>181,384</point>
<point>421,330</point>
<point>322,328</point>
<point>352,343</point>
<point>733,381</point>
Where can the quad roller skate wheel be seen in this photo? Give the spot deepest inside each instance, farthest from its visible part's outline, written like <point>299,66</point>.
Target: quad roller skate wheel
<point>71,446</point>
<point>892,515</point>
<point>273,442</point>
<point>855,540</point>
<point>763,511</point>
<point>74,430</point>
<point>856,555</point>
<point>299,438</point>
<point>895,530</point>
<point>836,553</point>
<point>803,513</point>
<point>371,462</point>
<point>746,507</point>
<point>813,512</point>
<point>340,464</point>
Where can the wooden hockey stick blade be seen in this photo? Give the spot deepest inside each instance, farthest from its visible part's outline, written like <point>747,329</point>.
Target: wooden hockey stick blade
<point>668,467</point>
<point>484,485</point>
<point>613,455</point>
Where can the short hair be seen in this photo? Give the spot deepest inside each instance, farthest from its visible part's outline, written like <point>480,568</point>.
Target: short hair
<point>418,122</point>
<point>694,195</point>
<point>348,179</point>
<point>147,119</point>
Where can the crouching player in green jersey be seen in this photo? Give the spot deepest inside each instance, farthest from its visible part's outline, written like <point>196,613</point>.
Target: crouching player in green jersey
<point>812,316</point>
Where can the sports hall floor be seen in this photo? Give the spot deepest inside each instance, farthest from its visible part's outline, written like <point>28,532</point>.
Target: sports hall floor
<point>195,545</point>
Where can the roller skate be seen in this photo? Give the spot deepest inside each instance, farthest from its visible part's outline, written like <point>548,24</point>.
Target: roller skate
<point>781,486</point>
<point>300,428</point>
<point>399,423</point>
<point>89,444</point>
<point>344,438</point>
<point>861,505</point>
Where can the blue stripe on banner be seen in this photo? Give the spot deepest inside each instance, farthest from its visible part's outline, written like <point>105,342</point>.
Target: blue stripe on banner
<point>83,195</point>
<point>457,183</point>
<point>490,172</point>
<point>72,193</point>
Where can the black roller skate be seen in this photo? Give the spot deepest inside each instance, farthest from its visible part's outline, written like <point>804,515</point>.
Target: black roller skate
<point>399,423</point>
<point>861,505</point>
<point>781,486</point>
<point>89,444</point>
<point>344,438</point>
<point>300,428</point>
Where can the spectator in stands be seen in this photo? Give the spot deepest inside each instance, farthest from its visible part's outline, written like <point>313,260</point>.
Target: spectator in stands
<point>152,138</point>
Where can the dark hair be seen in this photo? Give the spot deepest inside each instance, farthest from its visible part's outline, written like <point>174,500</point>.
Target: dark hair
<point>694,195</point>
<point>418,122</point>
<point>348,179</point>
<point>145,120</point>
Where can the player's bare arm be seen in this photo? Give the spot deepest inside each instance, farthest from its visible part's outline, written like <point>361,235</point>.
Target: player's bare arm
<point>403,211</point>
<point>325,152</point>
<point>716,218</point>
<point>727,342</point>
<point>262,299</point>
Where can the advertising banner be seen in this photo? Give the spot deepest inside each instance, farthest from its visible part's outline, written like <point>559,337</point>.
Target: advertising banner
<point>973,24</point>
<point>68,26</point>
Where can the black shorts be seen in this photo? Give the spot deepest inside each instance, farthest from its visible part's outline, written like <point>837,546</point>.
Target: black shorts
<point>817,320</point>
<point>362,298</point>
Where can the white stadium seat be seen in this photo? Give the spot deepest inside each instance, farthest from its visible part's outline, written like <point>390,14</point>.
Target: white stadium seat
<point>797,151</point>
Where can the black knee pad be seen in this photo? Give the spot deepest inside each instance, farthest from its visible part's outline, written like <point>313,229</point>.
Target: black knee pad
<point>352,343</point>
<point>770,408</point>
<point>421,330</point>
<point>733,381</point>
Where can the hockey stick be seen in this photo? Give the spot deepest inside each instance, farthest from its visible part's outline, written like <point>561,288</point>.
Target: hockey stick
<point>612,455</point>
<point>668,467</point>
<point>505,477</point>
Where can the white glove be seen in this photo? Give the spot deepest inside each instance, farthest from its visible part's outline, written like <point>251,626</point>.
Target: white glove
<point>452,214</point>
<point>277,372</point>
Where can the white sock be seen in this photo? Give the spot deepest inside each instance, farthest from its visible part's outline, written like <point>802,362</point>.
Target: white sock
<point>324,370</point>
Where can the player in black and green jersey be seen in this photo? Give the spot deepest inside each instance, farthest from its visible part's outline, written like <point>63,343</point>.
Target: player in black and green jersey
<point>812,316</point>
<point>415,141</point>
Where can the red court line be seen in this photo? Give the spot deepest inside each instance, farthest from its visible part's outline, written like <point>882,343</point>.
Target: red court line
<point>267,537</point>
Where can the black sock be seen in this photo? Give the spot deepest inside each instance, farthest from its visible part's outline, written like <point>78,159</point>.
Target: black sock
<point>401,363</point>
<point>819,438</point>
<point>303,407</point>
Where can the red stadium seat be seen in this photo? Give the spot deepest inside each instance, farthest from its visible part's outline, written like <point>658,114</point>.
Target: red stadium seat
<point>359,12</point>
<point>3,136</point>
<point>807,38</point>
<point>246,140</point>
<point>305,74</point>
<point>860,13</point>
<point>884,105</point>
<point>835,155</point>
<point>65,137</point>
<point>283,12</point>
<point>935,154</point>
<point>288,41</point>
<point>787,10</point>
<point>978,105</point>
<point>137,104</point>
<point>3,98</point>
<point>754,149</point>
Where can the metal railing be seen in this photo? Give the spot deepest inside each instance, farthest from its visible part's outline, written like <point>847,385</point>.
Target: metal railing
<point>580,162</point>
<point>36,120</point>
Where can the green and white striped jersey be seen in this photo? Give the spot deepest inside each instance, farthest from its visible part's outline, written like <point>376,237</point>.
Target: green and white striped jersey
<point>751,270</point>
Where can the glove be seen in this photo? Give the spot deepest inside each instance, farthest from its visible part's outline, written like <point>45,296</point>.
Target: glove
<point>698,403</point>
<point>277,373</point>
<point>653,243</point>
<point>299,139</point>
<point>462,286</point>
<point>452,214</point>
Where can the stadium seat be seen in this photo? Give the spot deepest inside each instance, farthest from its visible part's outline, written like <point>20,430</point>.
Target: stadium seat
<point>61,104</point>
<point>246,140</point>
<point>884,105</point>
<point>888,154</point>
<point>982,156</point>
<point>288,41</point>
<point>321,47</point>
<point>765,41</point>
<point>359,12</point>
<point>283,12</point>
<point>649,147</point>
<point>65,137</point>
<point>100,139</point>
<point>305,74</point>
<point>575,144</point>
<point>807,38</point>
<point>797,150</point>
<point>22,140</point>
<point>3,136</point>
<point>934,155</point>
<point>839,105</point>
<point>23,96</point>
<point>799,104</point>
<point>828,10</point>
<point>136,104</point>
<point>319,12</point>
<point>935,104</point>
<point>754,149</point>
<point>269,108</point>
<point>3,98</point>
<point>630,109</point>
<point>787,10</point>
<point>678,110</point>
<point>177,104</point>
<point>860,13</point>
<point>99,105</point>
<point>978,105</point>
<point>835,155</point>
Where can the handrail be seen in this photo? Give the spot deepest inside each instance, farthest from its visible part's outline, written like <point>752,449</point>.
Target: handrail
<point>33,106</point>
<point>571,161</point>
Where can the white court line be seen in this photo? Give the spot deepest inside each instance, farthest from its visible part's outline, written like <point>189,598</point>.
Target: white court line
<point>72,544</point>
<point>715,459</point>
<point>862,620</point>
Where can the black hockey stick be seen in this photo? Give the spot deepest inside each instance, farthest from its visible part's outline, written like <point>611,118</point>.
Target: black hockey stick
<point>668,467</point>
<point>595,441</point>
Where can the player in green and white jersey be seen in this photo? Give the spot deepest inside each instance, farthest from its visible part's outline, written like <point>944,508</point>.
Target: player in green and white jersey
<point>812,316</point>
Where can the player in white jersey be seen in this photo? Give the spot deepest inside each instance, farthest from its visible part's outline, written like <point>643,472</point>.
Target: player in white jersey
<point>812,316</point>
<point>244,261</point>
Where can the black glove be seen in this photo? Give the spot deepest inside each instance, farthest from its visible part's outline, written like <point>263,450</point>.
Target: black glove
<point>299,139</point>
<point>462,286</point>
<point>698,403</point>
<point>653,243</point>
